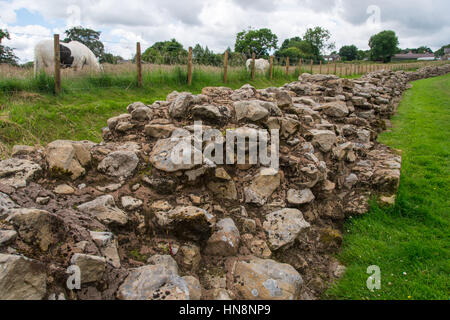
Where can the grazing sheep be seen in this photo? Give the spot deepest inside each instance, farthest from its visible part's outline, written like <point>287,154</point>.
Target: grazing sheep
<point>261,65</point>
<point>72,55</point>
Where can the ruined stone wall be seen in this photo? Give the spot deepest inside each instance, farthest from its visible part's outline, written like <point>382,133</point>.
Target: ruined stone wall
<point>138,225</point>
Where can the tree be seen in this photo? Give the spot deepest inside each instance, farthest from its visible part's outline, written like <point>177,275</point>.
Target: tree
<point>295,48</point>
<point>319,39</point>
<point>205,56</point>
<point>258,41</point>
<point>441,51</point>
<point>383,45</point>
<point>349,53</point>
<point>165,52</point>
<point>6,53</point>
<point>90,38</point>
<point>110,58</point>
<point>362,55</point>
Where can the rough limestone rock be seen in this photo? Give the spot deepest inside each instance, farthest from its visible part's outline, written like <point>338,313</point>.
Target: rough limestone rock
<point>64,189</point>
<point>141,113</point>
<point>194,287</point>
<point>299,197</point>
<point>262,187</point>
<point>323,139</point>
<point>121,123</point>
<point>107,244</point>
<point>180,106</point>
<point>224,189</point>
<point>7,236</point>
<point>336,109</point>
<point>159,130</point>
<point>168,154</point>
<point>212,113</point>
<point>36,227</point>
<point>18,172</point>
<point>104,209</point>
<point>265,279</point>
<point>119,164</point>
<point>68,156</point>
<point>21,278</point>
<point>250,110</point>
<point>130,203</point>
<point>5,205</point>
<point>159,281</point>
<point>225,241</point>
<point>189,257</point>
<point>283,227</point>
<point>91,267</point>
<point>189,222</point>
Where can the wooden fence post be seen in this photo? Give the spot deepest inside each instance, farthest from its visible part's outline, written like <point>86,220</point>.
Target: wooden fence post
<point>271,68</point>
<point>311,66</point>
<point>328,67</point>
<point>253,65</point>
<point>190,66</point>
<point>57,62</point>
<point>225,67</point>
<point>320,67</point>
<point>287,66</point>
<point>335,68</point>
<point>139,64</point>
<point>300,67</point>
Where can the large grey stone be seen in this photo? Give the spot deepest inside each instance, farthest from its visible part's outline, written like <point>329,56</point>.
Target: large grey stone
<point>119,164</point>
<point>299,197</point>
<point>250,110</point>
<point>18,172</point>
<point>336,109</point>
<point>189,222</point>
<point>211,112</point>
<point>265,279</point>
<point>92,268</point>
<point>262,187</point>
<point>168,154</point>
<point>36,227</point>
<point>283,226</point>
<point>324,139</point>
<point>180,106</point>
<point>159,281</point>
<point>225,241</point>
<point>6,204</point>
<point>68,156</point>
<point>21,278</point>
<point>105,210</point>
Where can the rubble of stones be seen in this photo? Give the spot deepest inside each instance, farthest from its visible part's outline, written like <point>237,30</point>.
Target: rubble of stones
<point>140,226</point>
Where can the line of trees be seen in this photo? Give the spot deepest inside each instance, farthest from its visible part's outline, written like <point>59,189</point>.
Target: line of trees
<point>6,53</point>
<point>263,42</point>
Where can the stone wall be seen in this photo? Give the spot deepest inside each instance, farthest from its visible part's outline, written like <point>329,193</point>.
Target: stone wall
<point>140,226</point>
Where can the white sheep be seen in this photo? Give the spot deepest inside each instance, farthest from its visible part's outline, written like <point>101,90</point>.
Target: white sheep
<point>261,65</point>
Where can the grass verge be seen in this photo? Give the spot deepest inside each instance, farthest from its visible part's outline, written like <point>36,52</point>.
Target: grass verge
<point>410,240</point>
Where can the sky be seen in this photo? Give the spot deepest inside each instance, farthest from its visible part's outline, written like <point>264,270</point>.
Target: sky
<point>215,23</point>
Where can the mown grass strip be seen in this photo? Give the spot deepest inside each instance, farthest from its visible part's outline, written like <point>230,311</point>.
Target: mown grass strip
<point>409,241</point>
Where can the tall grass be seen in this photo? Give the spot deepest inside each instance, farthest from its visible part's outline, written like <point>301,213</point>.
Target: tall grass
<point>124,76</point>
<point>16,79</point>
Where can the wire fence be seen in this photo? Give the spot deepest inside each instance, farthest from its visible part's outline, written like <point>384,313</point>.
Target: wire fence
<point>181,67</point>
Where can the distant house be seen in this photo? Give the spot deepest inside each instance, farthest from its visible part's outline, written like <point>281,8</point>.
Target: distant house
<point>413,56</point>
<point>446,55</point>
<point>332,57</point>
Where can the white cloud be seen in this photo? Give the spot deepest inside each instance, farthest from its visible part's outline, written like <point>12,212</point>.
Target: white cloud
<point>215,22</point>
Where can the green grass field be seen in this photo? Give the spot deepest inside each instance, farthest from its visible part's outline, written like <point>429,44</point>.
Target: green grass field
<point>410,241</point>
